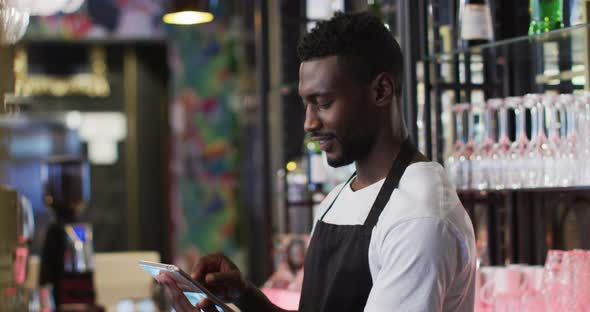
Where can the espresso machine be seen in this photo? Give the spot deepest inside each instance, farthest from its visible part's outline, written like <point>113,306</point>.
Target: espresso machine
<point>16,231</point>
<point>67,254</point>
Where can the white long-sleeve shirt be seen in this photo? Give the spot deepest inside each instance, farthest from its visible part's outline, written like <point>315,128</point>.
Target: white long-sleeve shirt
<point>422,250</point>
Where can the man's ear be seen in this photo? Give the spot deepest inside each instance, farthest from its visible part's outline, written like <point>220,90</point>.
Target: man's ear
<point>384,90</point>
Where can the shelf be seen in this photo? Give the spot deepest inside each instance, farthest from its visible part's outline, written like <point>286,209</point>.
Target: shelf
<point>515,44</point>
<point>538,189</point>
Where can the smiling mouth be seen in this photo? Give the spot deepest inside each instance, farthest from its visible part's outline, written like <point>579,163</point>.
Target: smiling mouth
<point>324,142</point>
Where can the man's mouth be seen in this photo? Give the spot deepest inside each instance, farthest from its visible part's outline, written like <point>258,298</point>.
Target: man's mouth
<point>325,142</point>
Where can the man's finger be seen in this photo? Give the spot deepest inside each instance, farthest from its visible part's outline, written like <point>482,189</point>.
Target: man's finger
<point>206,265</point>
<point>224,278</point>
<point>180,303</point>
<point>206,303</point>
<point>175,295</point>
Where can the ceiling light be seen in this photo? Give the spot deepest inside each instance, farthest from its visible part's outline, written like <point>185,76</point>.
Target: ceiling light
<point>188,12</point>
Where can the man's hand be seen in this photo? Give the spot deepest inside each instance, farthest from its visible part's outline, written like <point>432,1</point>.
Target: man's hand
<point>217,273</point>
<point>176,297</point>
<point>221,276</point>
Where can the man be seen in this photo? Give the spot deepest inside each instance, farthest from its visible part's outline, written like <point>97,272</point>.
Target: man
<point>395,236</point>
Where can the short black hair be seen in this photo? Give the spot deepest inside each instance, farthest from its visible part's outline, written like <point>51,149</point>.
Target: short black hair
<point>363,44</point>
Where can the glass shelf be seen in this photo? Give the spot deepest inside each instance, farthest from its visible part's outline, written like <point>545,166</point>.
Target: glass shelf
<point>578,34</point>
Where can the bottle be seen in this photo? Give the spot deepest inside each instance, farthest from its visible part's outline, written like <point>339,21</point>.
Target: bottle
<point>576,12</point>
<point>374,6</point>
<point>546,15</point>
<point>475,23</point>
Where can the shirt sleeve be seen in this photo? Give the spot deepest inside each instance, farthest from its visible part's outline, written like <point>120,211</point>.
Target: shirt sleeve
<point>418,260</point>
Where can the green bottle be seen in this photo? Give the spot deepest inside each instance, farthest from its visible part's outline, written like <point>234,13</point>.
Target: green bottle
<point>546,15</point>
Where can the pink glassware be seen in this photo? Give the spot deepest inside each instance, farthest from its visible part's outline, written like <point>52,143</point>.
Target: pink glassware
<point>456,162</point>
<point>552,278</point>
<point>469,149</point>
<point>501,166</point>
<point>576,279</point>
<point>535,152</point>
<point>485,276</point>
<point>569,154</point>
<point>551,144</point>
<point>583,132</point>
<point>518,149</point>
<point>504,290</point>
<point>532,299</point>
<point>481,162</point>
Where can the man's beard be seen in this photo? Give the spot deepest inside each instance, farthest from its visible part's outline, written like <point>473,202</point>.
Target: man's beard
<point>353,147</point>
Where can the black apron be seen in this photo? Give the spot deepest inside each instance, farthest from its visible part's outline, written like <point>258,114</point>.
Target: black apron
<point>337,275</point>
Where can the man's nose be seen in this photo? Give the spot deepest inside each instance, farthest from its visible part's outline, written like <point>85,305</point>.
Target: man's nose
<point>312,122</point>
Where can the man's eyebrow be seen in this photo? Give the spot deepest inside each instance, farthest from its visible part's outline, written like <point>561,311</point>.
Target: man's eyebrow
<point>316,94</point>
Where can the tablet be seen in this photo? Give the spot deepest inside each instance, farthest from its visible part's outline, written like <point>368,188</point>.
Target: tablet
<point>193,290</point>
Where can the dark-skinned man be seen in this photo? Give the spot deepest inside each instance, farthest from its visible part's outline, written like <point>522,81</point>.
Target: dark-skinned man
<point>394,237</point>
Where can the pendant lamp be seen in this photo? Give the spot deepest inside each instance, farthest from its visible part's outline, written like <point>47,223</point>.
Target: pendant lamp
<point>188,12</point>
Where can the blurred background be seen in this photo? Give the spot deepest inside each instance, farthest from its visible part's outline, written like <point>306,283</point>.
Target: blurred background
<point>187,139</point>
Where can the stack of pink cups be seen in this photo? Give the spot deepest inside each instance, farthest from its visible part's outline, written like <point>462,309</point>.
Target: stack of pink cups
<point>563,284</point>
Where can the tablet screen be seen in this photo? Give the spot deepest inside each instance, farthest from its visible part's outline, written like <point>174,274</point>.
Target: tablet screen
<point>194,298</point>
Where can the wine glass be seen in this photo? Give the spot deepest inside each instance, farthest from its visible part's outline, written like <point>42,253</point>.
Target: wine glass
<point>534,157</point>
<point>550,143</point>
<point>517,170</point>
<point>467,166</point>
<point>500,156</point>
<point>481,157</point>
<point>455,162</point>
<point>567,171</point>
<point>583,131</point>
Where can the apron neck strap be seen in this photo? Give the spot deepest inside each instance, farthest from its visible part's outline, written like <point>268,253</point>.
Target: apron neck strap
<point>337,195</point>
<point>403,160</point>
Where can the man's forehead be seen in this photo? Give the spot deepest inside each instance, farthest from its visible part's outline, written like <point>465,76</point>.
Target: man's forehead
<point>317,74</point>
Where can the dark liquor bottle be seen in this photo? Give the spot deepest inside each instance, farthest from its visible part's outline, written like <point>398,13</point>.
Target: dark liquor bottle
<point>474,23</point>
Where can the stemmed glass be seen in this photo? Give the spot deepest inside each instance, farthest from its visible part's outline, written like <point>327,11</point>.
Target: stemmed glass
<point>567,149</point>
<point>456,161</point>
<point>583,131</point>
<point>469,148</point>
<point>534,149</point>
<point>481,157</point>
<point>551,142</point>
<point>500,150</point>
<point>517,170</point>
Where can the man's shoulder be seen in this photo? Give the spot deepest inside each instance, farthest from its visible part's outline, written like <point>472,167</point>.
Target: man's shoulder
<point>423,191</point>
<point>426,194</point>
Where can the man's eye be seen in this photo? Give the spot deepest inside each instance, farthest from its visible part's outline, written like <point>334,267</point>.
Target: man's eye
<point>325,104</point>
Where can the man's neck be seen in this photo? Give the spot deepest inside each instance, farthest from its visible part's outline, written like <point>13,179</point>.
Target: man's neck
<point>379,160</point>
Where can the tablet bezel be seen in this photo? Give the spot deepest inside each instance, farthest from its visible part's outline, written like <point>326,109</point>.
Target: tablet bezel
<point>186,278</point>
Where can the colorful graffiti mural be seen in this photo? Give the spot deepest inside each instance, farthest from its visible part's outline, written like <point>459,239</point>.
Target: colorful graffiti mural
<point>204,152</point>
